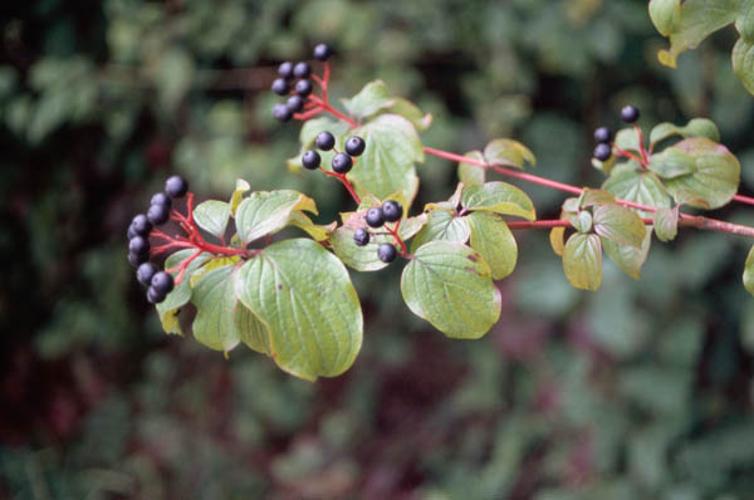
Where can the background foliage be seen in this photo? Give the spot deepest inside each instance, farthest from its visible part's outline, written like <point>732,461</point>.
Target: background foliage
<point>641,391</point>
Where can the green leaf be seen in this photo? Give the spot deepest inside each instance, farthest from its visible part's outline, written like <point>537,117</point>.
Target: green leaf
<point>629,182</point>
<point>303,295</point>
<point>365,258</point>
<point>665,15</point>
<point>493,240</point>
<point>556,240</point>
<point>743,62</point>
<point>713,172</point>
<point>509,153</point>
<point>410,112</point>
<point>242,187</point>
<point>370,100</point>
<point>629,259</point>
<point>444,225</point>
<point>582,261</point>
<point>627,139</point>
<point>212,216</point>
<point>317,231</point>
<point>748,276</point>
<point>169,309</point>
<point>221,321</point>
<point>387,164</point>
<point>590,197</point>
<point>499,197</point>
<point>450,285</point>
<point>666,223</point>
<point>619,224</point>
<point>472,175</point>
<point>698,127</point>
<point>266,212</point>
<point>582,222</point>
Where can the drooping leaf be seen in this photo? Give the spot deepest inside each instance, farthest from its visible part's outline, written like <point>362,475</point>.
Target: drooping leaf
<point>629,182</point>
<point>629,259</point>
<point>317,231</point>
<point>666,223</point>
<point>370,100</point>
<point>410,112</point>
<point>619,224</point>
<point>557,241</point>
<point>213,216</point>
<point>387,164</point>
<point>242,187</point>
<point>711,177</point>
<point>698,127</point>
<point>469,174</point>
<point>508,152</point>
<point>743,62</point>
<point>499,197</point>
<point>266,212</point>
<point>304,297</point>
<point>491,237</point>
<point>442,224</point>
<point>450,285</point>
<point>582,261</point>
<point>748,276</point>
<point>169,309</point>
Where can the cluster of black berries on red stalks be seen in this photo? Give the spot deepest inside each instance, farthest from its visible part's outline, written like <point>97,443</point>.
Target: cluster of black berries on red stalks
<point>342,162</point>
<point>158,282</point>
<point>294,82</point>
<point>604,136</point>
<point>376,217</point>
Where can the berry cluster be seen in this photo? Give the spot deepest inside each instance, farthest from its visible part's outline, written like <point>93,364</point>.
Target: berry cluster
<point>376,217</point>
<point>342,162</point>
<point>159,283</point>
<point>294,81</point>
<point>604,136</point>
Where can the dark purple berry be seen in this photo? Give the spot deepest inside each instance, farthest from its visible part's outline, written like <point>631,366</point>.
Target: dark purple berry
<point>135,259</point>
<point>304,87</point>
<point>162,282</point>
<point>355,145</point>
<point>603,135</point>
<point>392,211</point>
<point>603,152</point>
<point>285,70</point>
<point>387,253</point>
<point>158,214</point>
<point>160,199</point>
<point>138,245</point>
<point>145,272</point>
<point>302,70</point>
<point>280,86</point>
<point>281,112</point>
<point>342,163</point>
<point>325,141</point>
<point>176,186</point>
<point>155,297</point>
<point>361,237</point>
<point>375,218</point>
<point>141,225</point>
<point>629,114</point>
<point>311,160</point>
<point>322,52</point>
<point>295,103</point>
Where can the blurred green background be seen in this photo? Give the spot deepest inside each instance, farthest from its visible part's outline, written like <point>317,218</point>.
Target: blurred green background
<point>643,390</point>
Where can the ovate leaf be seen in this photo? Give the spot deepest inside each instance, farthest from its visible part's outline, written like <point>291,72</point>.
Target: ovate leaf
<point>371,99</point>
<point>666,223</point>
<point>665,15</point>
<point>499,197</point>
<point>698,127</point>
<point>410,112</point>
<point>509,153</point>
<point>442,224</point>
<point>743,62</point>
<point>619,224</point>
<point>629,259</point>
<point>169,309</point>
<point>450,285</point>
<point>242,187</point>
<point>212,216</point>
<point>471,174</point>
<point>493,240</point>
<point>304,297</point>
<point>582,221</point>
<point>629,182</point>
<point>582,261</point>
<point>748,276</point>
<point>266,212</point>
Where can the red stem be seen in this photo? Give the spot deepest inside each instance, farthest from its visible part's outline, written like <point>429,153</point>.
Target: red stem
<point>346,183</point>
<point>394,232</point>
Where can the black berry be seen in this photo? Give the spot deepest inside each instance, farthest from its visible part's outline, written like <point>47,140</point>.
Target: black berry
<point>311,160</point>
<point>162,282</point>
<point>375,218</point>
<point>342,163</point>
<point>136,259</point>
<point>176,186</point>
<point>387,253</point>
<point>302,70</point>
<point>392,211</point>
<point>158,214</point>
<point>160,199</point>
<point>355,145</point>
<point>295,103</point>
<point>155,297</point>
<point>141,225</point>
<point>629,114</point>
<point>304,87</point>
<point>322,52</point>
<point>138,245</point>
<point>603,135</point>
<point>361,237</point>
<point>603,152</point>
<point>145,272</point>
<point>325,141</point>
<point>280,86</point>
<point>281,112</point>
<point>285,70</point>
